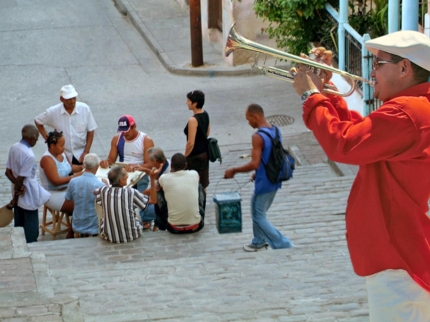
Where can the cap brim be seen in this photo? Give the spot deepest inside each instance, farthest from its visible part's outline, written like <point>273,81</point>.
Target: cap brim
<point>124,129</point>
<point>69,96</point>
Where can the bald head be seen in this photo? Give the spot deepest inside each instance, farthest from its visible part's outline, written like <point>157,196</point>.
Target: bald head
<point>29,131</point>
<point>255,109</point>
<point>30,134</point>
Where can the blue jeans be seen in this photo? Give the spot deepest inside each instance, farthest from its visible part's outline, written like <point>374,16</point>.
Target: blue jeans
<point>148,214</point>
<point>143,183</point>
<point>263,230</point>
<point>29,220</point>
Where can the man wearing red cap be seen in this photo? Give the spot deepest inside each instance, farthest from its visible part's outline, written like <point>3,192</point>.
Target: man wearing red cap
<point>74,119</point>
<point>131,146</point>
<point>387,228</point>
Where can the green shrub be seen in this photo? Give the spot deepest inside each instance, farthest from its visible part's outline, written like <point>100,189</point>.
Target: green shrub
<point>294,23</point>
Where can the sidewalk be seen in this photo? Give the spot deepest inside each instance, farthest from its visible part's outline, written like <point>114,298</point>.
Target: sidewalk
<point>165,26</point>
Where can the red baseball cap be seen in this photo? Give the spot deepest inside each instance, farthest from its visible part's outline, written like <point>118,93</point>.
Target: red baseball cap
<point>125,123</point>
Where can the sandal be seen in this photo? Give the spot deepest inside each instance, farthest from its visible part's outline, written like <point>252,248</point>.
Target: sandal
<point>146,225</point>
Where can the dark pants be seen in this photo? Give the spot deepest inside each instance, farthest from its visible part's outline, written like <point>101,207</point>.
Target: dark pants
<point>75,161</point>
<point>29,219</point>
<point>200,163</point>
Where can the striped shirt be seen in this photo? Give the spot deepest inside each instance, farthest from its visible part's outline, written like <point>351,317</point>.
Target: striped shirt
<point>120,223</point>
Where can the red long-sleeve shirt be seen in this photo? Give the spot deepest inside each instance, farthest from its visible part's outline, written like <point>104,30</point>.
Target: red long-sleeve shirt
<point>386,222</point>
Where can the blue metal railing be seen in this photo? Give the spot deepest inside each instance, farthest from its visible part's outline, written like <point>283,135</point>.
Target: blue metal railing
<point>343,28</point>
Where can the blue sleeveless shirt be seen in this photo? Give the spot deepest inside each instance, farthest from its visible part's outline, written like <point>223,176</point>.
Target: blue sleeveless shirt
<point>262,183</point>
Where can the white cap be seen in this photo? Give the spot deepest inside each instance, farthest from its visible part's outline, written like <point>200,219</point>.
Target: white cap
<point>408,44</point>
<point>68,92</point>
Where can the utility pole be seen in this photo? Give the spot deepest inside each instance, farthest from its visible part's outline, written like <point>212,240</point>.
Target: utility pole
<point>196,34</point>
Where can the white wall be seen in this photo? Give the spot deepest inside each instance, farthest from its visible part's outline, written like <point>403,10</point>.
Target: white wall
<point>354,101</point>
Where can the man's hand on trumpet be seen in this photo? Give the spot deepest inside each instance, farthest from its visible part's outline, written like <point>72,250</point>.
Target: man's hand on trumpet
<point>305,79</point>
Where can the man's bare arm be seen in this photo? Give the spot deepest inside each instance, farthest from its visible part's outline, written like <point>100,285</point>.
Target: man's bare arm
<point>257,149</point>
<point>41,129</point>
<point>90,138</point>
<point>113,153</point>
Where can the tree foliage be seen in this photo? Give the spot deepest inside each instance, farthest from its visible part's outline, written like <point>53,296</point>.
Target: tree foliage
<point>294,23</point>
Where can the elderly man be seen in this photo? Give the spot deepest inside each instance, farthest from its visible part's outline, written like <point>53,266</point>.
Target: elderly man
<point>21,171</point>
<point>157,159</point>
<point>120,222</point>
<point>81,191</point>
<point>74,119</point>
<point>183,211</point>
<point>388,231</point>
<point>131,146</point>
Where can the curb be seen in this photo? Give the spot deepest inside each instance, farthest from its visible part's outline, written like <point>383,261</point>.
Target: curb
<point>342,170</point>
<point>125,8</point>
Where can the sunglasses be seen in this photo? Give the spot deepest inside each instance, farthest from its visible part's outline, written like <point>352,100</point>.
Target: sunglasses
<point>376,63</point>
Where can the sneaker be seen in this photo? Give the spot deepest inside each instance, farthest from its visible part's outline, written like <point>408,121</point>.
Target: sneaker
<point>254,248</point>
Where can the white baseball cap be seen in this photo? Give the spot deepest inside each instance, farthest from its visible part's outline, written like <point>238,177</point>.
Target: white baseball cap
<point>408,44</point>
<point>68,92</point>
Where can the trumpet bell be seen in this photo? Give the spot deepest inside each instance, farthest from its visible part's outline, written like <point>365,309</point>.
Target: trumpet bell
<point>236,41</point>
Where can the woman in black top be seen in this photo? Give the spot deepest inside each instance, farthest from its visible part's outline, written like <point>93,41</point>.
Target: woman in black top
<point>197,131</point>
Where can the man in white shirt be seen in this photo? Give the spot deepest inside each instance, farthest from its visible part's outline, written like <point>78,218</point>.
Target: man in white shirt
<point>181,192</point>
<point>21,171</point>
<point>74,119</point>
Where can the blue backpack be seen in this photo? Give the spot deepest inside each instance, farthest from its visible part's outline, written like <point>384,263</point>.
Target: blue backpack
<point>281,164</point>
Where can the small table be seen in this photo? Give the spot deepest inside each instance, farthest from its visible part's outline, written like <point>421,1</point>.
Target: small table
<point>133,177</point>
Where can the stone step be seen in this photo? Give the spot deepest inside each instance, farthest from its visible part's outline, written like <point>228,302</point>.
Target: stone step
<point>12,242</point>
<point>26,291</point>
<point>315,210</point>
<point>163,276</point>
<point>17,307</point>
<point>169,277</point>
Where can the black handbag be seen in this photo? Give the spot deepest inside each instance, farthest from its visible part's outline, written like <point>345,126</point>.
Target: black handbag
<point>214,152</point>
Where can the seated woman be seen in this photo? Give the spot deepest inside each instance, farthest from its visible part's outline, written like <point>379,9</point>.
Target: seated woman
<point>55,172</point>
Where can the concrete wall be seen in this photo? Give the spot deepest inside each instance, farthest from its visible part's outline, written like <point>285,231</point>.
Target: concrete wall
<point>247,24</point>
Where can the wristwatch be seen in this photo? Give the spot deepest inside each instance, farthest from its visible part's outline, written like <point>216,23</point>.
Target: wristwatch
<point>307,94</point>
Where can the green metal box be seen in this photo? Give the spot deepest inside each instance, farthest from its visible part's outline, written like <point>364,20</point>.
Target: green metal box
<point>228,212</point>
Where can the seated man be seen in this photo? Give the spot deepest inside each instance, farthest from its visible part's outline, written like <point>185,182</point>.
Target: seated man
<point>131,146</point>
<point>157,159</point>
<point>184,197</point>
<point>120,223</point>
<point>81,192</point>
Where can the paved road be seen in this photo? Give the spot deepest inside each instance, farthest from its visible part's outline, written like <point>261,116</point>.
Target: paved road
<point>46,44</point>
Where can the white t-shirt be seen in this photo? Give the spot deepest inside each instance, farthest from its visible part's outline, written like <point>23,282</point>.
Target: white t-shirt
<point>133,150</point>
<point>22,163</point>
<point>75,126</point>
<point>181,190</point>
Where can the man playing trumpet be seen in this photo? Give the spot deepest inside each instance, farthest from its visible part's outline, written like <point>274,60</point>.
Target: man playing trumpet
<point>387,229</point>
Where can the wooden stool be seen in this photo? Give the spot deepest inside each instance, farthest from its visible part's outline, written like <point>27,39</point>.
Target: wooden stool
<point>54,227</point>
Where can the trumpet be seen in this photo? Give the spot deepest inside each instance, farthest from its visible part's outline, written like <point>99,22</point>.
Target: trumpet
<point>236,41</point>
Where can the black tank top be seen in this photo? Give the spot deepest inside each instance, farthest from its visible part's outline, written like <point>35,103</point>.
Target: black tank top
<point>200,143</point>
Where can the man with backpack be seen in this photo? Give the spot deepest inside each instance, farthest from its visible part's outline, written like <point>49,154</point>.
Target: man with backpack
<point>264,233</point>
